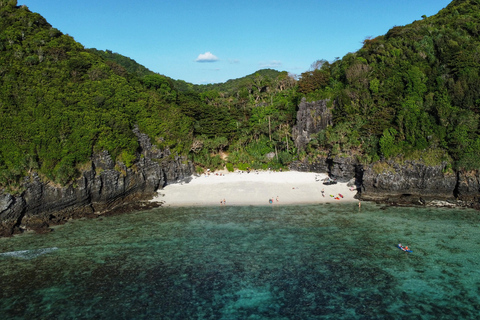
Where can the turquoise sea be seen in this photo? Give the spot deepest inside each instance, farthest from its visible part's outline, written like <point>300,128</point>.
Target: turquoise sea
<point>273,262</point>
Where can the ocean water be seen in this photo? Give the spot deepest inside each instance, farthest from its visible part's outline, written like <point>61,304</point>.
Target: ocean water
<point>293,262</point>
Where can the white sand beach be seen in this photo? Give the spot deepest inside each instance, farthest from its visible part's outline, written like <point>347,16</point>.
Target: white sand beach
<point>255,188</point>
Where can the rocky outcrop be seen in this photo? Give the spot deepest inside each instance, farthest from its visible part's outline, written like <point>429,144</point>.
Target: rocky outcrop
<point>102,187</point>
<point>312,117</point>
<point>343,167</point>
<point>409,182</point>
<point>468,187</point>
<point>319,164</point>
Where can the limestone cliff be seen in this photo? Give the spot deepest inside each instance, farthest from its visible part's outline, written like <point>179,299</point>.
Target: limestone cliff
<point>408,182</point>
<point>311,118</point>
<point>343,167</point>
<point>468,188</point>
<point>102,187</point>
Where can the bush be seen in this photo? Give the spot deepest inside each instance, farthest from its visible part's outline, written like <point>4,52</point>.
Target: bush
<point>127,158</point>
<point>243,166</point>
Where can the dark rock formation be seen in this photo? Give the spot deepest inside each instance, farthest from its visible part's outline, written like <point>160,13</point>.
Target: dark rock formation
<point>319,164</point>
<point>343,167</point>
<point>102,187</point>
<point>312,117</point>
<point>408,182</point>
<point>468,187</point>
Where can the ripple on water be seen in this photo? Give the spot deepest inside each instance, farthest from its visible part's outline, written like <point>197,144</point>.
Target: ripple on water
<point>248,262</point>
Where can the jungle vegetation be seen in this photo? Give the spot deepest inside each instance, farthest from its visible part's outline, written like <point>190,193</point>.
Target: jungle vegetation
<point>413,93</point>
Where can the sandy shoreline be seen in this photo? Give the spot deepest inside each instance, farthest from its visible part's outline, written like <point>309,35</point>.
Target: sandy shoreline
<point>255,188</point>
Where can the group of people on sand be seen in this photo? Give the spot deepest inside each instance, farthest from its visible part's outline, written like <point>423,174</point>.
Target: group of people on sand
<point>271,200</point>
<point>223,202</point>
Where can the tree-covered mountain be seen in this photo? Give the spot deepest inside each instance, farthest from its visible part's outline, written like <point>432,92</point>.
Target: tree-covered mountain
<point>413,92</point>
<point>245,118</point>
<point>60,103</point>
<point>410,94</point>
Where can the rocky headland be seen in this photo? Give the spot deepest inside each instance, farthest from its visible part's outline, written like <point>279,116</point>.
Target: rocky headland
<point>104,187</point>
<point>401,183</point>
<point>393,181</point>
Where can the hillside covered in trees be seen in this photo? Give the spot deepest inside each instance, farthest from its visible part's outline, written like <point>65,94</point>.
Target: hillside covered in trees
<point>413,93</point>
<point>60,103</point>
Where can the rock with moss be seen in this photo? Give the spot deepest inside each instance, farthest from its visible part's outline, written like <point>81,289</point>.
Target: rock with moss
<point>468,187</point>
<point>103,187</point>
<point>407,182</point>
<point>311,118</point>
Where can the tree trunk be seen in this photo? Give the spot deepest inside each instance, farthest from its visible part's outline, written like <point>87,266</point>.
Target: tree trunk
<point>269,129</point>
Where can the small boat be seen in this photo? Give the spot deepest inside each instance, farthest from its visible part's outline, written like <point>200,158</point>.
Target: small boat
<point>341,195</point>
<point>399,246</point>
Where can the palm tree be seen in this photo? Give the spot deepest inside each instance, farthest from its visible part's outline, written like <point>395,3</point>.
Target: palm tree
<point>284,131</point>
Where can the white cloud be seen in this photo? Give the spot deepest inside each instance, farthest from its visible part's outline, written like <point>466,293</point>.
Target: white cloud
<point>271,64</point>
<point>206,57</point>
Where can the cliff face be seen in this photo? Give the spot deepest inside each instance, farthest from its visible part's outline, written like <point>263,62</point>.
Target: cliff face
<point>468,188</point>
<point>409,182</point>
<point>342,167</point>
<point>311,118</point>
<point>104,186</point>
<point>406,183</point>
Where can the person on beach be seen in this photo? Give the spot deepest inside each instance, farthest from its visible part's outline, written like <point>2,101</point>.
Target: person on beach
<point>277,198</point>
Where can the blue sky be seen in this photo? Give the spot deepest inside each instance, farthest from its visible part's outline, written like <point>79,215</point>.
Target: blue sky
<point>213,41</point>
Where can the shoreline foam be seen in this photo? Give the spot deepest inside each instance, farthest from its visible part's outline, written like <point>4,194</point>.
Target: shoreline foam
<point>254,188</point>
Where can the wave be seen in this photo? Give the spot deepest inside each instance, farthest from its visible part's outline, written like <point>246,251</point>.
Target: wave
<point>28,254</point>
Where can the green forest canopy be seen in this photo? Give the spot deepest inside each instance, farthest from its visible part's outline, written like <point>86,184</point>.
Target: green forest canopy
<point>413,93</point>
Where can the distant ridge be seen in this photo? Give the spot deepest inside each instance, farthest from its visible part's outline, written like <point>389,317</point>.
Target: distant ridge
<point>129,64</point>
